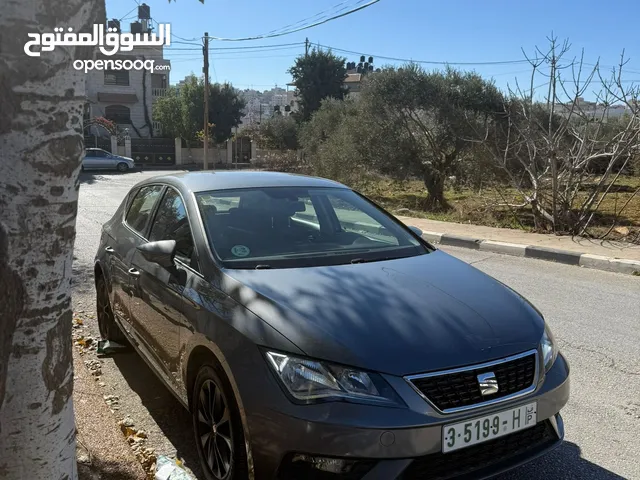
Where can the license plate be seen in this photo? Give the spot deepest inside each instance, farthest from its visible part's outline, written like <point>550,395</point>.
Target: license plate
<point>483,429</point>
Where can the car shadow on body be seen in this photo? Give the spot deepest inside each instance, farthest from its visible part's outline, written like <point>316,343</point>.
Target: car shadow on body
<point>349,292</point>
<point>168,413</point>
<point>565,462</point>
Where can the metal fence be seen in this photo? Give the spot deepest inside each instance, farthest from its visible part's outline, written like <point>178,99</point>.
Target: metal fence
<point>93,141</point>
<point>153,151</point>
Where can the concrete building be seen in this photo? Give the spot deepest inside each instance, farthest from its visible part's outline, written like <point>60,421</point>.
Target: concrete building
<point>126,97</point>
<point>595,110</point>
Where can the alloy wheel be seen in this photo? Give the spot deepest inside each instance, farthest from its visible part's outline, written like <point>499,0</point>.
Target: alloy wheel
<point>214,429</point>
<point>104,310</point>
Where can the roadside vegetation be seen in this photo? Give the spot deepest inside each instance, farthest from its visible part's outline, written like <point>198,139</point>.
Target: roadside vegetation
<point>449,145</point>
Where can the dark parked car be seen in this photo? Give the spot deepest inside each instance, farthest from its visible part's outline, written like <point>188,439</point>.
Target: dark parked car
<point>311,332</point>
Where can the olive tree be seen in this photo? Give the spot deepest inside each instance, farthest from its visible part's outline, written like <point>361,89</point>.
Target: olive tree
<point>423,123</point>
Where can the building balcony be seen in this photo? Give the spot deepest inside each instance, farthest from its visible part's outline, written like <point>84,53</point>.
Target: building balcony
<point>159,92</point>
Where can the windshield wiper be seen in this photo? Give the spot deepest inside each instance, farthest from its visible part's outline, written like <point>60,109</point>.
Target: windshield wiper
<point>381,259</point>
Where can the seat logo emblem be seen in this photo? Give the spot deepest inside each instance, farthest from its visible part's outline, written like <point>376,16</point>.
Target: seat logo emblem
<point>488,383</point>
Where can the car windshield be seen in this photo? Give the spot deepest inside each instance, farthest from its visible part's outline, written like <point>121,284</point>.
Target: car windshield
<point>284,227</point>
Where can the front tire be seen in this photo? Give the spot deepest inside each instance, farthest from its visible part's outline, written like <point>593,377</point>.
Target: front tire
<point>122,167</point>
<point>217,427</point>
<point>109,329</point>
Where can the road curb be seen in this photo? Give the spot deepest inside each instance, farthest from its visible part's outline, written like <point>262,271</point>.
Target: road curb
<point>568,257</point>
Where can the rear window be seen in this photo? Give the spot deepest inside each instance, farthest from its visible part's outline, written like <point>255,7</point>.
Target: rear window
<point>141,207</point>
<point>280,227</point>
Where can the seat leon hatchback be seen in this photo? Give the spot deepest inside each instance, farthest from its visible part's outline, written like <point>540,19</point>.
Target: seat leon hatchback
<point>312,335</point>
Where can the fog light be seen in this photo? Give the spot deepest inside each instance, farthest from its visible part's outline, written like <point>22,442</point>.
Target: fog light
<point>331,465</point>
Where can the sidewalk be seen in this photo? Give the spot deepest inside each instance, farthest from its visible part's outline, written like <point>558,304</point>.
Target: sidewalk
<point>102,451</point>
<point>600,254</point>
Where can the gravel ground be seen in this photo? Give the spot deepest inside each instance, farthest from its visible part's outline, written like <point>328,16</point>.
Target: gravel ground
<point>103,452</point>
<point>593,314</point>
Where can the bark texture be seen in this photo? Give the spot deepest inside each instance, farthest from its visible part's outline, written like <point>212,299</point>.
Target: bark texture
<point>41,144</point>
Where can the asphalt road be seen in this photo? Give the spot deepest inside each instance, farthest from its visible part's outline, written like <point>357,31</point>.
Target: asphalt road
<point>594,315</point>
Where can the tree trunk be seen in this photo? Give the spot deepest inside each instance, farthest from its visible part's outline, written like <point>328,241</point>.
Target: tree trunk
<point>41,144</point>
<point>434,182</point>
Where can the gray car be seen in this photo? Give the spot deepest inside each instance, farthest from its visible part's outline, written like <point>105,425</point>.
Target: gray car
<point>99,159</point>
<point>314,336</point>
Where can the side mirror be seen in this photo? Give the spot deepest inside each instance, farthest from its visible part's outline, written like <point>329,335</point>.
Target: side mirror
<point>416,230</point>
<point>161,252</point>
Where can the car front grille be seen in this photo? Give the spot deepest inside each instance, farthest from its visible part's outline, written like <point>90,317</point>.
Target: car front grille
<point>441,466</point>
<point>461,389</point>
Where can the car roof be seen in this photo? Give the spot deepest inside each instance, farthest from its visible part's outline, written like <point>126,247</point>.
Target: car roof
<point>227,180</point>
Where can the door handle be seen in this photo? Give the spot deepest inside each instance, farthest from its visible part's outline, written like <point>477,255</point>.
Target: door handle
<point>134,272</point>
<point>109,250</point>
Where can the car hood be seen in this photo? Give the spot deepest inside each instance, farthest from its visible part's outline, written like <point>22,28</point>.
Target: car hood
<point>401,316</point>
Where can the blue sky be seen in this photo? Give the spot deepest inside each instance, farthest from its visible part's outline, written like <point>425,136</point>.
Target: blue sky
<point>432,30</point>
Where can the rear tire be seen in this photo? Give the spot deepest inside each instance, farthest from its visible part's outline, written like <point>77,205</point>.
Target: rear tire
<point>217,427</point>
<point>109,329</point>
<point>123,167</point>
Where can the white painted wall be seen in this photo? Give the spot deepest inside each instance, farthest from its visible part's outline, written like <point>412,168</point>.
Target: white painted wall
<point>196,155</point>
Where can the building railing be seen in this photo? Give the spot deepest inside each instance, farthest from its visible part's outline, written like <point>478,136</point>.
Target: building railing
<point>158,92</point>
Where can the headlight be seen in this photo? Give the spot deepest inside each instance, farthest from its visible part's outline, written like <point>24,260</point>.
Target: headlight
<point>549,349</point>
<point>311,381</point>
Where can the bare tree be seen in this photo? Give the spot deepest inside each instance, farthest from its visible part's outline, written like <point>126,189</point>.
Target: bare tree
<point>562,153</point>
<point>41,145</point>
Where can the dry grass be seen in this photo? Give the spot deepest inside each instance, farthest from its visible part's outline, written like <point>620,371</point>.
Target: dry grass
<point>484,207</point>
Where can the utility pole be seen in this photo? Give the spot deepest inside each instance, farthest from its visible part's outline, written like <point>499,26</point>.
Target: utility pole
<point>205,69</point>
<point>306,47</point>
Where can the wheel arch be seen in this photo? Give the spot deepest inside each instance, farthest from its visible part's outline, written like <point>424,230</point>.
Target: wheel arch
<point>204,355</point>
<point>100,272</point>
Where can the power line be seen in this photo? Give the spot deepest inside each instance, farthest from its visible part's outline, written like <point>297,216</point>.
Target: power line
<point>180,38</point>
<point>173,54</point>
<point>261,46</point>
<point>299,47</point>
<point>188,43</point>
<point>316,17</point>
<point>257,48</point>
<point>126,14</point>
<point>430,62</point>
<point>299,29</point>
<point>247,58</point>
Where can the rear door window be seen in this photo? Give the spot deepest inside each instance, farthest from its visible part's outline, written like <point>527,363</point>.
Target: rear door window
<point>139,213</point>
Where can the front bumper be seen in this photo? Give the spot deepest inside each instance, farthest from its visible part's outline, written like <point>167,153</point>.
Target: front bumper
<point>390,443</point>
